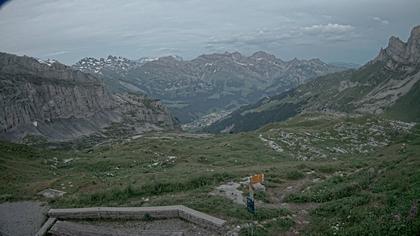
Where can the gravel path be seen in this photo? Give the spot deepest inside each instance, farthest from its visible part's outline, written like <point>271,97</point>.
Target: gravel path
<point>21,218</point>
<point>230,191</point>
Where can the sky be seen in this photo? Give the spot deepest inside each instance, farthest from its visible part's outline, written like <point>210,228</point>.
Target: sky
<point>333,30</point>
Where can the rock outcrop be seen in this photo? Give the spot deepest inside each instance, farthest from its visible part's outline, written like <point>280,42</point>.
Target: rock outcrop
<point>401,73</point>
<point>52,100</point>
<point>399,53</point>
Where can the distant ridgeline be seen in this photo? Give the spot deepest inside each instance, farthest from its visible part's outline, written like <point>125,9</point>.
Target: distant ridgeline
<point>388,85</point>
<point>208,83</point>
<point>55,102</point>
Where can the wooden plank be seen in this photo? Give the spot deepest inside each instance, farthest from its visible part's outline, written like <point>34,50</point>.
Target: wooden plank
<point>46,226</point>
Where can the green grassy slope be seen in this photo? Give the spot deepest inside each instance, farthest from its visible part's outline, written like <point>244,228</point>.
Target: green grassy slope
<point>378,199</point>
<point>23,169</point>
<point>407,108</point>
<point>367,193</point>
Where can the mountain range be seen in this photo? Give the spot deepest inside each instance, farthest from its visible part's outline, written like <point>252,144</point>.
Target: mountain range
<point>209,83</point>
<point>59,102</point>
<point>388,86</point>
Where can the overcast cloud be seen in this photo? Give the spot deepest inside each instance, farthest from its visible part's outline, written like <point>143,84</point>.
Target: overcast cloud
<point>339,30</point>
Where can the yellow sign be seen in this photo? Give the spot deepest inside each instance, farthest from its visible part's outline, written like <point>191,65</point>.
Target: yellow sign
<point>258,178</point>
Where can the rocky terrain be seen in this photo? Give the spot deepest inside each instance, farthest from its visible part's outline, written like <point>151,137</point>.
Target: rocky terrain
<point>53,101</point>
<point>388,85</point>
<point>208,83</point>
<point>345,135</point>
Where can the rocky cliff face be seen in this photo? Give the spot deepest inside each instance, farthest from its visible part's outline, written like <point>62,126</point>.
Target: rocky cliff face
<point>400,66</point>
<point>52,100</point>
<point>388,85</point>
<point>208,83</point>
<point>399,53</point>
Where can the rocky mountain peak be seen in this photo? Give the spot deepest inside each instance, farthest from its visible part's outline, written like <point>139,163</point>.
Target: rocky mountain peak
<point>93,65</point>
<point>111,57</point>
<point>294,61</point>
<point>236,55</point>
<point>395,42</point>
<point>396,48</point>
<point>413,45</point>
<point>147,59</point>
<point>220,56</point>
<point>401,53</point>
<point>169,60</point>
<point>317,61</point>
<point>261,55</point>
<point>415,32</point>
<point>11,62</point>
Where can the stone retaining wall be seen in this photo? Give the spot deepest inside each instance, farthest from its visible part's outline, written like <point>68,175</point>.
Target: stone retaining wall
<point>138,213</point>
